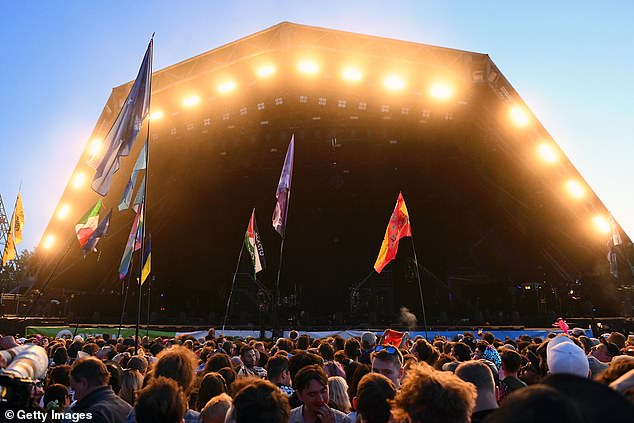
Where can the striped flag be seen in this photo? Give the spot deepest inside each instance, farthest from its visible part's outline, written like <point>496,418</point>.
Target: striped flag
<point>147,260</point>
<point>88,224</point>
<point>397,228</point>
<point>254,246</point>
<point>133,244</point>
<point>283,192</point>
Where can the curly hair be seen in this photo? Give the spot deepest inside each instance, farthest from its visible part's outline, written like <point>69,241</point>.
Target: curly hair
<point>432,396</point>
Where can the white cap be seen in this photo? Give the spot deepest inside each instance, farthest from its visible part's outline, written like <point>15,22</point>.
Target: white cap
<point>564,356</point>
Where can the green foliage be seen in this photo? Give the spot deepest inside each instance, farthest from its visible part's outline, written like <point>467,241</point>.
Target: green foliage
<point>16,271</point>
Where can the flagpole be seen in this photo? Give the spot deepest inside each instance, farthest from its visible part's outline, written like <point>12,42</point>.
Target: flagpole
<point>420,287</point>
<point>149,292</point>
<point>147,179</point>
<point>276,303</point>
<point>224,322</point>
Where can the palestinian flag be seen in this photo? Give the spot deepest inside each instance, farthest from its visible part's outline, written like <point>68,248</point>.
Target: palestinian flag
<point>88,223</point>
<point>254,246</point>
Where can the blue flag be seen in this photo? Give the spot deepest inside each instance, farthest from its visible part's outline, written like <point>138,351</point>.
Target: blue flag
<point>121,137</point>
<point>126,198</point>
<point>140,195</point>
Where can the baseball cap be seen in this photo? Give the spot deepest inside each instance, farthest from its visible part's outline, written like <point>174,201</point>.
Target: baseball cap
<point>564,356</point>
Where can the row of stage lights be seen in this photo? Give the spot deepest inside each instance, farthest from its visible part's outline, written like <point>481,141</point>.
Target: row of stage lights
<point>441,91</point>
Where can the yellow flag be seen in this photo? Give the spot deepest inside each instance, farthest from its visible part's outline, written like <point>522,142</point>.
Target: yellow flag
<point>18,213</point>
<point>9,248</point>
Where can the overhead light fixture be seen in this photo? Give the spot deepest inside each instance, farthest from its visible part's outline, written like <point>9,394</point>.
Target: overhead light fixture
<point>265,71</point>
<point>78,180</point>
<point>156,115</point>
<point>352,74</point>
<point>575,189</point>
<point>601,224</point>
<point>63,211</point>
<point>95,147</point>
<point>191,101</point>
<point>547,153</point>
<point>308,67</point>
<point>394,83</point>
<point>227,87</point>
<point>48,242</point>
<point>519,116</point>
<point>441,91</point>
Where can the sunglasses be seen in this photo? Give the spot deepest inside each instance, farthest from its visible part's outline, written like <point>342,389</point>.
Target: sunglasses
<point>387,348</point>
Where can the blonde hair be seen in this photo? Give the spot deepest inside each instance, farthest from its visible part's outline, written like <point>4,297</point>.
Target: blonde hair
<point>131,382</point>
<point>338,393</point>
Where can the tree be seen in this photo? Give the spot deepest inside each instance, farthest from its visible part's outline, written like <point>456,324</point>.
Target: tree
<point>15,272</point>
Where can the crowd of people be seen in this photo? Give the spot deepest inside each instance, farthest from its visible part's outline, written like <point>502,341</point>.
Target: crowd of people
<point>469,378</point>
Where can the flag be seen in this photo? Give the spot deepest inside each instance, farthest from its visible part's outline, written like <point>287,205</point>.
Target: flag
<point>88,224</point>
<point>100,232</point>
<point>140,195</point>
<point>614,232</point>
<point>614,265</point>
<point>123,133</point>
<point>283,192</point>
<point>254,246</point>
<point>124,203</point>
<point>133,244</point>
<point>397,228</point>
<point>147,260</point>
<point>9,248</point>
<point>19,220</point>
<point>14,236</point>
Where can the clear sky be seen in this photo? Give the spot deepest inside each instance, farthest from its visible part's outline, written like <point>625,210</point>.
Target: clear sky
<point>572,62</point>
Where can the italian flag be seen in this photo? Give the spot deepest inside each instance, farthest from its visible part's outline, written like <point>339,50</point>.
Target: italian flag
<point>88,223</point>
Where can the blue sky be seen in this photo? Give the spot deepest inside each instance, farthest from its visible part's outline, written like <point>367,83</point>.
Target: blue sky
<point>573,65</point>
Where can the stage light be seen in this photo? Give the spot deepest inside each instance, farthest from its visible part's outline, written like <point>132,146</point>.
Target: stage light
<point>352,74</point>
<point>394,83</point>
<point>95,147</point>
<point>78,180</point>
<point>308,67</point>
<point>441,91</point>
<point>265,71</point>
<point>602,224</point>
<point>519,116</point>
<point>48,242</point>
<point>226,87</point>
<point>63,212</point>
<point>547,153</point>
<point>156,115</point>
<point>575,189</point>
<point>191,101</point>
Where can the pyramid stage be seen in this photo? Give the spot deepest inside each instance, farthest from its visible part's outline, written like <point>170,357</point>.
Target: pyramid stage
<point>497,236</point>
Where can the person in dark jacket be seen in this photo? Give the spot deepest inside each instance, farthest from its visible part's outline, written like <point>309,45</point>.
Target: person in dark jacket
<point>89,379</point>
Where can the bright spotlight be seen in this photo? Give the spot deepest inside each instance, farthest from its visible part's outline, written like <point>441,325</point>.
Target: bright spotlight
<point>265,71</point>
<point>575,189</point>
<point>352,74</point>
<point>547,153</point>
<point>394,83</point>
<point>156,115</point>
<point>95,147</point>
<point>78,180</point>
<point>63,212</point>
<point>519,116</point>
<point>308,67</point>
<point>441,91</point>
<point>191,101</point>
<point>49,241</point>
<point>602,224</point>
<point>226,87</point>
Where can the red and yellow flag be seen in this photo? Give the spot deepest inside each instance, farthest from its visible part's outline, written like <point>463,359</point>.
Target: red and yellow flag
<point>397,228</point>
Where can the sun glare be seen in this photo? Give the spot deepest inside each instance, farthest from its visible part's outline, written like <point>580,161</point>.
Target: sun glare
<point>78,180</point>
<point>575,189</point>
<point>48,242</point>
<point>441,91</point>
<point>547,153</point>
<point>519,116</point>
<point>602,224</point>
<point>191,101</point>
<point>394,83</point>
<point>63,212</point>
